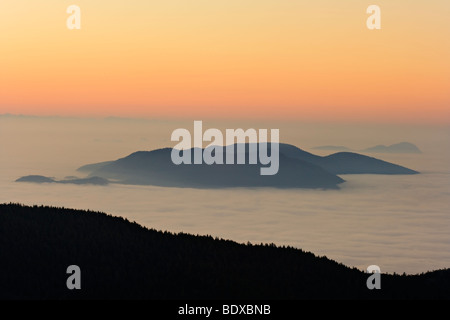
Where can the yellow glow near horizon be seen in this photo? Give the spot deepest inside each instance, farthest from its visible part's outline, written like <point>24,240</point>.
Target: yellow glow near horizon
<point>235,58</point>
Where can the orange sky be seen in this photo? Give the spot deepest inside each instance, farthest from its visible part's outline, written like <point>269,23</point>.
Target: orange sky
<point>306,60</point>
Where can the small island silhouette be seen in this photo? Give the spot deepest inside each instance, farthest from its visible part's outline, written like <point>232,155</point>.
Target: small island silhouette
<point>69,180</point>
<point>402,147</point>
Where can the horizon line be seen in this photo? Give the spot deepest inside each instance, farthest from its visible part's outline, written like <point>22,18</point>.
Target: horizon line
<point>210,118</point>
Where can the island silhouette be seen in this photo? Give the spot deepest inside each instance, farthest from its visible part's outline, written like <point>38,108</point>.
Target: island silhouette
<point>297,169</point>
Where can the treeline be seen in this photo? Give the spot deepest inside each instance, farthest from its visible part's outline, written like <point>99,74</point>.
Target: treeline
<point>120,259</point>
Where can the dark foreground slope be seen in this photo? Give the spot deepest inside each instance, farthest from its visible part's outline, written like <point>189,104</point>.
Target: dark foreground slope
<point>119,259</point>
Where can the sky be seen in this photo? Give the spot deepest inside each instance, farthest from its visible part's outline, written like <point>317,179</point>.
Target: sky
<point>266,59</point>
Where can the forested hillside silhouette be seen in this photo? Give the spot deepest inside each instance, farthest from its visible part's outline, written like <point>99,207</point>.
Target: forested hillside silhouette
<point>120,259</point>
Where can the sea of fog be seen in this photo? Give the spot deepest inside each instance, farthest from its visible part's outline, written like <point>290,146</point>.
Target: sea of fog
<point>400,223</point>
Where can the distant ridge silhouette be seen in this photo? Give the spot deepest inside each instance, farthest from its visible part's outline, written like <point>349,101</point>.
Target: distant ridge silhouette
<point>402,147</point>
<point>332,148</point>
